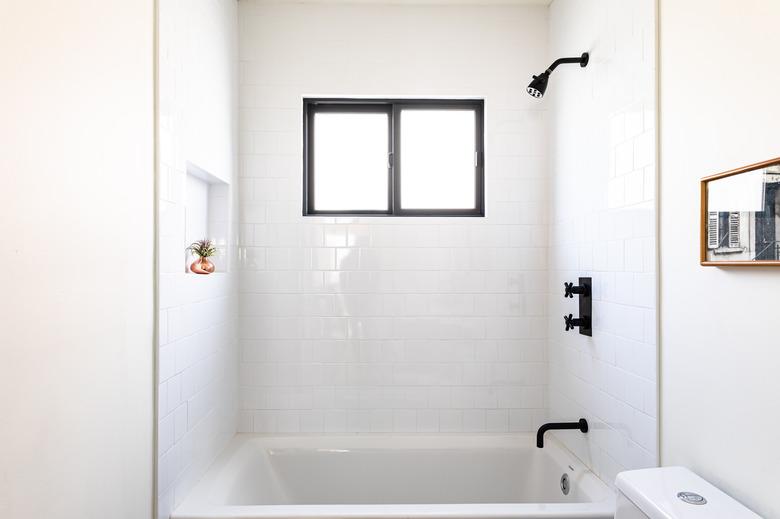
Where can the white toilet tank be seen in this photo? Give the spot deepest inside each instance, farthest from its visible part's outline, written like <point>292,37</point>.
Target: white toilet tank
<point>673,493</point>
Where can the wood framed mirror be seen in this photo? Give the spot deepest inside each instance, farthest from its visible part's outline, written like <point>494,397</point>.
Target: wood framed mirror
<point>740,216</point>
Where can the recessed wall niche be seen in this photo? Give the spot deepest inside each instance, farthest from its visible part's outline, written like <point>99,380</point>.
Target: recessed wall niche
<point>206,214</point>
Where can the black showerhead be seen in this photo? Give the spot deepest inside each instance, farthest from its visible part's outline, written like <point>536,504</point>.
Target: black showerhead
<point>538,86</point>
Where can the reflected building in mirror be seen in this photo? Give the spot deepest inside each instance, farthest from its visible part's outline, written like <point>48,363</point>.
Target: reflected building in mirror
<point>750,230</point>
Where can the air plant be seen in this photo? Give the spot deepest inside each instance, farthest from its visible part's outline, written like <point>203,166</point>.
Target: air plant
<point>203,248</point>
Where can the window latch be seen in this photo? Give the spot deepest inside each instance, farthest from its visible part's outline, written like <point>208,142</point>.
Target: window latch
<point>390,160</point>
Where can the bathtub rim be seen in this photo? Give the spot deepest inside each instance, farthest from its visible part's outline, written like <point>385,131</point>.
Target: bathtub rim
<point>598,510</point>
<point>195,506</point>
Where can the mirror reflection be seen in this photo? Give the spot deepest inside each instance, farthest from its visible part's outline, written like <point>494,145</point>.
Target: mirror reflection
<point>743,216</point>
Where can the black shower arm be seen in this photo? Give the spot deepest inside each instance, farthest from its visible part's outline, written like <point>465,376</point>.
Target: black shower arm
<point>561,61</point>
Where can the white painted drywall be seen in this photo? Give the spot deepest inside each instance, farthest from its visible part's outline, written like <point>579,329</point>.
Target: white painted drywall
<point>392,324</point>
<point>603,226</point>
<point>76,273</point>
<point>719,358</point>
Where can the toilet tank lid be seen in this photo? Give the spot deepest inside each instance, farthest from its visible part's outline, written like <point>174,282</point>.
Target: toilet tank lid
<point>655,492</point>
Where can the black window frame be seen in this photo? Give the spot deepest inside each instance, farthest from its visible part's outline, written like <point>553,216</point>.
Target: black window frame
<point>392,107</point>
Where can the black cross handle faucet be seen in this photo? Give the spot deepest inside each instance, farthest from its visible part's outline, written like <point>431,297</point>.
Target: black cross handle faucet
<point>569,290</point>
<point>573,322</point>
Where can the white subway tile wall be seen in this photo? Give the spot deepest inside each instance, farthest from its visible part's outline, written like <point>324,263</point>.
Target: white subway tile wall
<point>603,225</point>
<point>198,315</point>
<point>391,324</point>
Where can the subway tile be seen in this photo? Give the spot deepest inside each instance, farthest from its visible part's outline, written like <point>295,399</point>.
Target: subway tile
<point>288,421</point>
<point>359,420</point>
<point>405,420</point>
<point>451,420</point>
<point>496,421</point>
<point>312,421</point>
<point>427,420</point>
<point>166,433</point>
<point>520,420</point>
<point>474,420</point>
<point>432,325</point>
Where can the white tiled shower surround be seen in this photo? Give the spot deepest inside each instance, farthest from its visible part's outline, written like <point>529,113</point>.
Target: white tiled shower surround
<point>391,324</point>
<point>603,179</point>
<point>411,324</point>
<point>198,344</point>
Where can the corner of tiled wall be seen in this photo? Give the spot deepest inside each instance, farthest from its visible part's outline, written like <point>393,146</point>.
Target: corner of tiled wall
<point>198,315</point>
<point>603,225</point>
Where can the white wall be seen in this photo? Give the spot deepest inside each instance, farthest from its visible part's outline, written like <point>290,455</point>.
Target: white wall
<point>77,218</point>
<point>392,324</point>
<point>719,110</point>
<point>603,226</point>
<point>198,355</point>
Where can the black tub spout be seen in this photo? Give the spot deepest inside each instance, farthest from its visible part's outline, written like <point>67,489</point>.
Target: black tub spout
<point>582,425</point>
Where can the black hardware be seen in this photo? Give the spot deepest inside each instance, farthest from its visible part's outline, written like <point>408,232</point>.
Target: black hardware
<point>392,108</point>
<point>538,85</point>
<point>582,60</point>
<point>584,321</point>
<point>572,322</point>
<point>570,289</point>
<point>582,425</point>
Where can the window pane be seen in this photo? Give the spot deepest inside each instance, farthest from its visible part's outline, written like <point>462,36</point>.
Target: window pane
<point>437,159</point>
<point>350,161</point>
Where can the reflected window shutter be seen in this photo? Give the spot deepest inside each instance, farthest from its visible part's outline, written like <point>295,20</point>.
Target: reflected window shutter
<point>713,230</point>
<point>734,230</point>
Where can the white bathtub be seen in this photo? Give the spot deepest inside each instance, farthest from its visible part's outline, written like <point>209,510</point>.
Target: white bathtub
<point>479,476</point>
